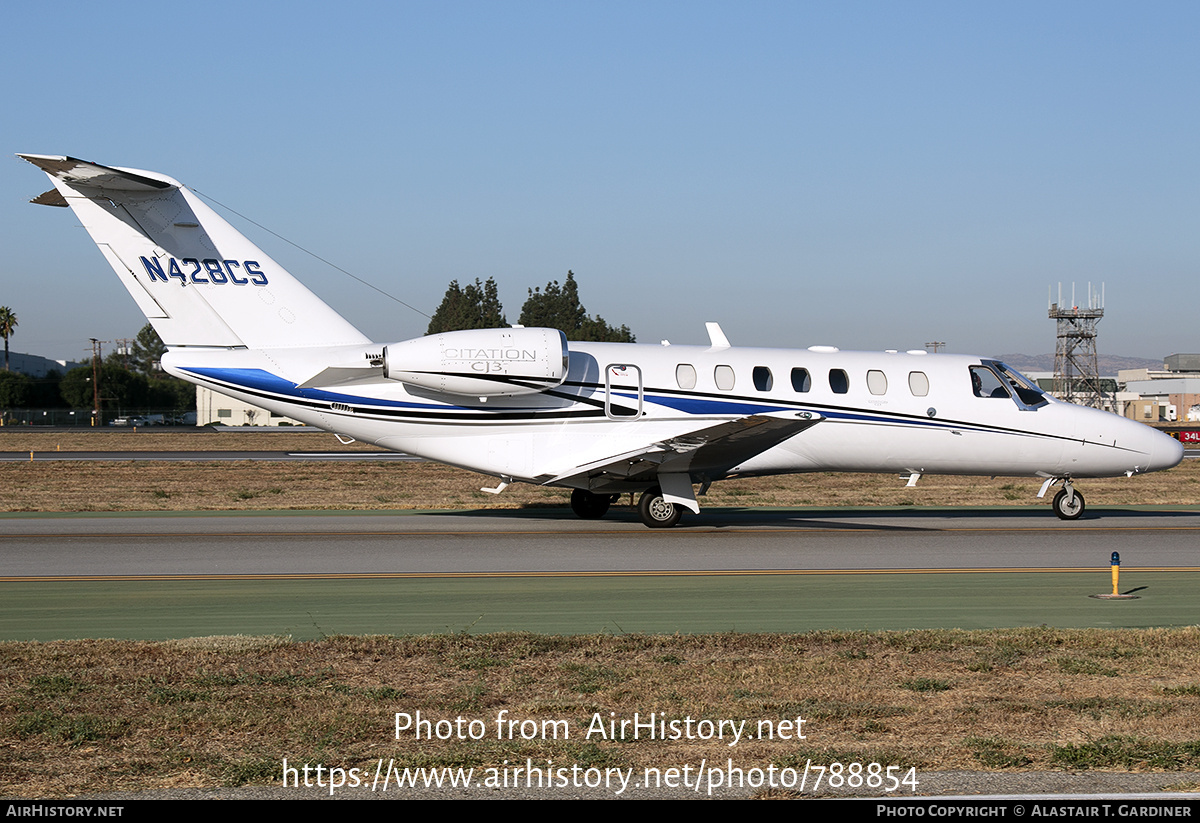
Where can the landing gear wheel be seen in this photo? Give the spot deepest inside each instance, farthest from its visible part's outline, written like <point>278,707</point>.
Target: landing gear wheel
<point>656,512</point>
<point>1065,510</point>
<point>588,505</point>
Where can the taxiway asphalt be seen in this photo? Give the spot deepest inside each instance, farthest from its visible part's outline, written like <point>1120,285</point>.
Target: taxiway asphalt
<point>554,542</point>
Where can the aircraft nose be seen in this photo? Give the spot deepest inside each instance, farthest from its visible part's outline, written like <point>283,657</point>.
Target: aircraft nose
<point>1165,452</point>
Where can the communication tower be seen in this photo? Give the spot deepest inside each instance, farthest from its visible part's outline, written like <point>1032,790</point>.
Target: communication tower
<point>1076,366</point>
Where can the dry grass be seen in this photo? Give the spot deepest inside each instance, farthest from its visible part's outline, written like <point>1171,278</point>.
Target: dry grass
<point>25,439</point>
<point>151,486</point>
<point>83,716</point>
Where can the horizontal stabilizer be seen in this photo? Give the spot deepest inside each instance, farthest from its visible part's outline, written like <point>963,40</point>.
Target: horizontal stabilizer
<point>50,198</point>
<point>84,173</point>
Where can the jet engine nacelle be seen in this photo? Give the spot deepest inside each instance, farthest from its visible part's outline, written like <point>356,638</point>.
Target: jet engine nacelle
<point>481,362</point>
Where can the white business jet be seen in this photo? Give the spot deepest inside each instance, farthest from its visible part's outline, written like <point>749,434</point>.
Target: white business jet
<point>603,419</point>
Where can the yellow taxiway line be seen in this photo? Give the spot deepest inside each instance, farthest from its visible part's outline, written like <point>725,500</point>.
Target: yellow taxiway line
<point>101,578</point>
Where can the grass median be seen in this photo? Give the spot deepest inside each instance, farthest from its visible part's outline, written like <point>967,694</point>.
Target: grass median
<point>85,716</point>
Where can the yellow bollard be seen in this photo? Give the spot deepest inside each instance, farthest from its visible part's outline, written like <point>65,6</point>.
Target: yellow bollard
<point>1115,565</point>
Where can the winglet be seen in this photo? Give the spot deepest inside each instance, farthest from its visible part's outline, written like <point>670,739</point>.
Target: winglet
<point>716,337</point>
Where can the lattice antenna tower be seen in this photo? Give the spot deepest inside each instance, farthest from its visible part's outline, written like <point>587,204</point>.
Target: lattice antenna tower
<point>1076,365</point>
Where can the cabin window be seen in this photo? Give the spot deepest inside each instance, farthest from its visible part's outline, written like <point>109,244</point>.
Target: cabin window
<point>839,381</point>
<point>918,383</point>
<point>876,382</point>
<point>685,376</point>
<point>762,378</point>
<point>724,377</point>
<point>801,381</point>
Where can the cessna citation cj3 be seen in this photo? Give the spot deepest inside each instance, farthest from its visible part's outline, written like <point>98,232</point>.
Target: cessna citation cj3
<point>523,404</point>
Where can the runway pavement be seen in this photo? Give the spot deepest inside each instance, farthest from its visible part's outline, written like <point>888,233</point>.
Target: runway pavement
<point>308,574</point>
<point>554,542</point>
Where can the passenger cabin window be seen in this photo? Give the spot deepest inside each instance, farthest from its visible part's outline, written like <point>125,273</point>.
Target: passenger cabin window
<point>876,382</point>
<point>918,383</point>
<point>801,380</point>
<point>724,377</point>
<point>762,378</point>
<point>839,381</point>
<point>685,376</point>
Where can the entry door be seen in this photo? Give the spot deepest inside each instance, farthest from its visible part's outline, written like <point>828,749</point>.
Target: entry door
<point>622,391</point>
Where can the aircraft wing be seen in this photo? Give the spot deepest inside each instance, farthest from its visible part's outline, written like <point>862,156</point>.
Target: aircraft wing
<point>709,451</point>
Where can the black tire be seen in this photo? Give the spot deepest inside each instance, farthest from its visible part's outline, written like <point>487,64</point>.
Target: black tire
<point>656,512</point>
<point>590,506</point>
<point>1068,512</point>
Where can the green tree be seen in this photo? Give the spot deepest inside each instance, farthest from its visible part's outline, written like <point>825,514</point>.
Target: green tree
<point>559,307</point>
<point>152,388</point>
<point>76,388</point>
<point>475,307</point>
<point>120,388</point>
<point>147,351</point>
<point>15,390</point>
<point>44,393</point>
<point>8,324</point>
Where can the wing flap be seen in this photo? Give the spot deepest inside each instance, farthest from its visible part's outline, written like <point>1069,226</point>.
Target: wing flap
<point>711,450</point>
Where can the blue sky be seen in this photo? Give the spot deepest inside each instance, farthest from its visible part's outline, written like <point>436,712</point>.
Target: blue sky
<point>869,175</point>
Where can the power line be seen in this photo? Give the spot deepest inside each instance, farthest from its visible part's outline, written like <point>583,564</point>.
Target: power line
<point>313,254</point>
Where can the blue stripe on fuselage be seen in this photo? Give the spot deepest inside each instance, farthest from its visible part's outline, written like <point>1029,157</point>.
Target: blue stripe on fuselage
<point>261,380</point>
<point>265,381</point>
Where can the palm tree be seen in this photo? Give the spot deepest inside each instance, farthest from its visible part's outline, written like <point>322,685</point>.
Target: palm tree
<point>8,324</point>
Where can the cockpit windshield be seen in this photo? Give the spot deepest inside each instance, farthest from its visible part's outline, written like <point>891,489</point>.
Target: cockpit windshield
<point>995,379</point>
<point>986,383</point>
<point>1025,388</point>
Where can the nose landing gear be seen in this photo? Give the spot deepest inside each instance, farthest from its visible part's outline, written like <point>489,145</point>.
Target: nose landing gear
<point>1068,503</point>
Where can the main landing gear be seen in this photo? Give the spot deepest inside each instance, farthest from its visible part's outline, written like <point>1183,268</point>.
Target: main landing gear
<point>656,512</point>
<point>653,508</point>
<point>589,505</point>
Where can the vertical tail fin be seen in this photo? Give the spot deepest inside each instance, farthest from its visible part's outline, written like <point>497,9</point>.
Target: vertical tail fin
<point>195,277</point>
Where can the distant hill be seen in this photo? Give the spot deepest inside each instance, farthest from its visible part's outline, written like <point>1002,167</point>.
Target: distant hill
<point>1110,364</point>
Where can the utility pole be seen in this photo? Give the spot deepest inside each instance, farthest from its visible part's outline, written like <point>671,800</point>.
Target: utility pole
<point>124,348</point>
<point>96,354</point>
